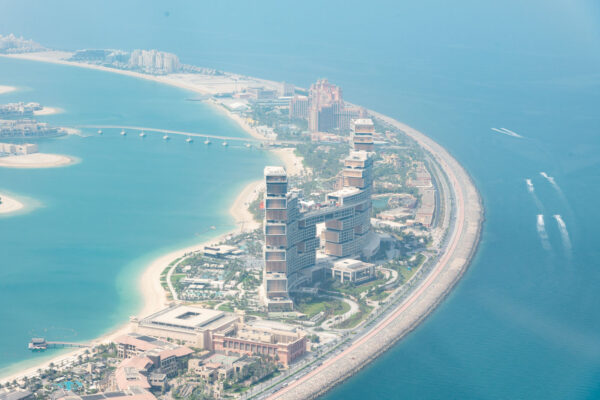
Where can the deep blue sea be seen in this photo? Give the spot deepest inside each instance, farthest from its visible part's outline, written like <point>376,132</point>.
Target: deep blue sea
<point>523,323</point>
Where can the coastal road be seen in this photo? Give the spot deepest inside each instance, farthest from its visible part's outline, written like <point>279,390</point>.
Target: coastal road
<point>451,265</point>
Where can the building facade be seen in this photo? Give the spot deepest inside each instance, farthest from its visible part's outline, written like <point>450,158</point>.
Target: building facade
<point>299,107</point>
<point>354,271</point>
<point>290,235</point>
<point>326,103</point>
<point>282,345</point>
<point>194,326</point>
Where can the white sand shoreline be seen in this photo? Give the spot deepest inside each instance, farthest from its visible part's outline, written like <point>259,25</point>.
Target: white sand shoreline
<point>7,89</point>
<point>153,295</point>
<point>37,160</point>
<point>338,368</point>
<point>9,205</point>
<point>48,111</point>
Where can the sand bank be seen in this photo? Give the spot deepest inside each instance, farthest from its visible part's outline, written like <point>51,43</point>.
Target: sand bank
<point>7,89</point>
<point>36,160</point>
<point>9,205</point>
<point>47,111</point>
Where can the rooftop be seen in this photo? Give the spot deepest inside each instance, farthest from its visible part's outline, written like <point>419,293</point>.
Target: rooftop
<point>345,192</point>
<point>15,395</point>
<point>350,264</point>
<point>275,171</point>
<point>188,317</point>
<point>358,155</point>
<point>363,121</point>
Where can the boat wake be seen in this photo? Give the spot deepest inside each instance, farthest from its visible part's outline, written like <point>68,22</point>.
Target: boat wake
<point>541,228</point>
<point>507,132</point>
<point>531,190</point>
<point>552,182</point>
<point>530,187</point>
<point>549,178</point>
<point>562,227</point>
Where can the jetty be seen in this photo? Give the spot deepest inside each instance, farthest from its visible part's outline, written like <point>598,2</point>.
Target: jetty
<point>41,344</point>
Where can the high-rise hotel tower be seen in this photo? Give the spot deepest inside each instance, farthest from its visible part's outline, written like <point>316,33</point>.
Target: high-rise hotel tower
<point>290,235</point>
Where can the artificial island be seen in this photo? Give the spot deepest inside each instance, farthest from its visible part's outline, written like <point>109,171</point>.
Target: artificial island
<point>339,253</point>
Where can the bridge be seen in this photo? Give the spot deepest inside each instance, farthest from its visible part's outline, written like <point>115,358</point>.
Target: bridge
<point>194,134</point>
<point>40,344</point>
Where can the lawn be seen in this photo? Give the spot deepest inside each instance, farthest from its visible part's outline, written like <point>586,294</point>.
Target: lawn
<point>312,305</point>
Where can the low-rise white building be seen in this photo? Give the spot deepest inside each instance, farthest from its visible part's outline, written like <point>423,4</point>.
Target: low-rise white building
<point>192,325</point>
<point>355,271</point>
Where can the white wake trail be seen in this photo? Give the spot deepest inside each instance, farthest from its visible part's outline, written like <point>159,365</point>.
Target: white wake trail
<point>531,190</point>
<point>541,228</point>
<point>564,233</point>
<point>549,178</point>
<point>507,132</point>
<point>512,133</point>
<point>530,187</point>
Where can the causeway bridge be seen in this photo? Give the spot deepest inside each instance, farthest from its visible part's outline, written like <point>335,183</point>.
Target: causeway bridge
<point>194,134</point>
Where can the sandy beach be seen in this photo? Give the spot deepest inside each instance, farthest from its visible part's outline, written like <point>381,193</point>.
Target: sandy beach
<point>464,236</point>
<point>36,160</point>
<point>293,163</point>
<point>9,205</point>
<point>198,83</point>
<point>153,295</point>
<point>6,89</point>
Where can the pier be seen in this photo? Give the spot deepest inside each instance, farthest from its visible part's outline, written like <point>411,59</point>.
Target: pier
<point>41,344</point>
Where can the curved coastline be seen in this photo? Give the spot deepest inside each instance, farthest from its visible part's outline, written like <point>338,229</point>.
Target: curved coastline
<point>403,318</point>
<point>468,217</point>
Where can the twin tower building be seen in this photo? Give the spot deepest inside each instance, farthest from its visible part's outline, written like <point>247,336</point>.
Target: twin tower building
<point>291,240</point>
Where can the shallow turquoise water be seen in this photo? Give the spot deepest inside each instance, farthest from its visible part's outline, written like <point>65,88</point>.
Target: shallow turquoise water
<point>524,321</point>
<point>67,265</point>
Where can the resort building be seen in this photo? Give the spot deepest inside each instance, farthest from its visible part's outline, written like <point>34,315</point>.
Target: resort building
<point>362,134</point>
<point>17,149</point>
<point>354,271</point>
<point>25,129</point>
<point>290,234</point>
<point>299,107</point>
<point>220,366</point>
<point>18,110</point>
<point>280,342</point>
<point>325,104</point>
<point>193,325</point>
<point>221,251</point>
<point>143,352</point>
<point>5,394</point>
<point>134,393</point>
<point>290,244</point>
<point>154,61</point>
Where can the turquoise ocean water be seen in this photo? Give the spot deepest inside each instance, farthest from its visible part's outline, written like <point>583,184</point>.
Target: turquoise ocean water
<point>524,321</point>
<point>68,264</point>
